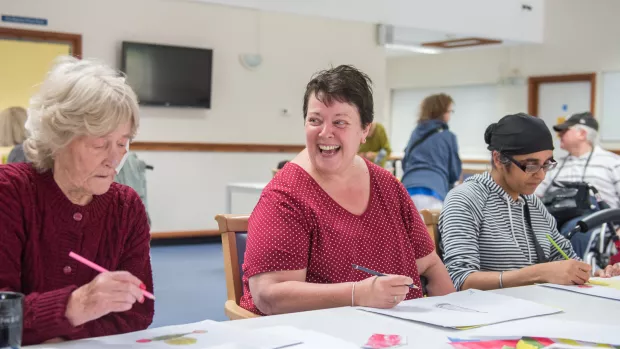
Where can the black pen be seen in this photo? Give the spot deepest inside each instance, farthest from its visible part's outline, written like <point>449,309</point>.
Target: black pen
<point>375,273</point>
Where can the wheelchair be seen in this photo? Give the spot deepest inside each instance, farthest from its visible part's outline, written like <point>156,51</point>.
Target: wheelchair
<point>604,243</point>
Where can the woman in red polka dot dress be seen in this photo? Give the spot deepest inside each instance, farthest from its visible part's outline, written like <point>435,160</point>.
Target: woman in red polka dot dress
<point>328,209</point>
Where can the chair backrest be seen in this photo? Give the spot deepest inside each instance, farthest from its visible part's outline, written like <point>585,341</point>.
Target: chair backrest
<point>233,229</point>
<point>431,220</point>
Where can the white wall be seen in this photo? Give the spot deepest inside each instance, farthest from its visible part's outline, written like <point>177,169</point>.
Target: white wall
<point>186,190</point>
<point>488,18</point>
<point>245,105</point>
<point>580,36</point>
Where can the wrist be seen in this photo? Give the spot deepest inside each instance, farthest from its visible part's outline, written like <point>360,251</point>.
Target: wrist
<point>72,313</point>
<point>361,294</point>
<point>533,274</point>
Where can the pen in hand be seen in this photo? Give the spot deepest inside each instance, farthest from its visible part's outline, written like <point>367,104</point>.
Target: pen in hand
<point>376,273</point>
<point>557,247</point>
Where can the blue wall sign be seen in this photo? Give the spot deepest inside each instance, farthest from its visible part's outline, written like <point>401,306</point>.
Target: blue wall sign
<point>24,20</point>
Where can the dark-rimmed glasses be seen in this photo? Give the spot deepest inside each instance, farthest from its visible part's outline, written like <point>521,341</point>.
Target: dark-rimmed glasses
<point>533,168</point>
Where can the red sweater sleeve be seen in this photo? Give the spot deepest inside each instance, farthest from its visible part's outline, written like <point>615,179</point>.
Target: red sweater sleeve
<point>278,234</point>
<point>136,260</point>
<point>44,313</point>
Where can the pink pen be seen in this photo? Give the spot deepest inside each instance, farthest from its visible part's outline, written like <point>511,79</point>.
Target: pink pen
<point>100,269</point>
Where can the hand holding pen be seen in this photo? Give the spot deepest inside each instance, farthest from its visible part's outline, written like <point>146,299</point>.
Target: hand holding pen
<point>381,290</point>
<point>108,292</point>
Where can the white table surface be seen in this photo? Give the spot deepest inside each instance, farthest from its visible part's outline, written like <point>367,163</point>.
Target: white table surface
<point>356,326</point>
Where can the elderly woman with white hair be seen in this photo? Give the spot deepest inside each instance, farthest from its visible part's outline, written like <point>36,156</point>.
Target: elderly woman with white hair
<point>64,200</point>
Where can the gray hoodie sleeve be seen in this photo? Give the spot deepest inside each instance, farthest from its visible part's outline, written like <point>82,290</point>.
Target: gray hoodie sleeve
<point>459,226</point>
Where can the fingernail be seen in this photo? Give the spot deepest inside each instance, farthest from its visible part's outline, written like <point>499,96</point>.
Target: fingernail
<point>143,286</point>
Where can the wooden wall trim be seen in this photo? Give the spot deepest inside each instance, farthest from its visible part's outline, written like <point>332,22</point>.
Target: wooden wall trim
<point>254,148</point>
<point>36,35</point>
<point>535,81</point>
<point>217,147</point>
<point>476,161</point>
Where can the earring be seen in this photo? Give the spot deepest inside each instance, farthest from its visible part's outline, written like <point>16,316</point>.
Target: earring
<point>364,141</point>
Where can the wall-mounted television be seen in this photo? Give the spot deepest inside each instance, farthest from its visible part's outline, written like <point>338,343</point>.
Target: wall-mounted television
<point>168,75</point>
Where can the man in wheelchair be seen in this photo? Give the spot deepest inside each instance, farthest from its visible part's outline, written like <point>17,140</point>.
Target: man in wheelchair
<point>586,181</point>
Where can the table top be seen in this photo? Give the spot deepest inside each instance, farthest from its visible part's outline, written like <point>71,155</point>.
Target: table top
<point>356,326</point>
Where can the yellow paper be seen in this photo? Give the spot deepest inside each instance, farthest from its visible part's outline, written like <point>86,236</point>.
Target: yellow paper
<point>598,282</point>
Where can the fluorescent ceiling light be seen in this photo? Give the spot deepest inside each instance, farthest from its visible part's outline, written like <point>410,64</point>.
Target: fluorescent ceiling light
<point>413,48</point>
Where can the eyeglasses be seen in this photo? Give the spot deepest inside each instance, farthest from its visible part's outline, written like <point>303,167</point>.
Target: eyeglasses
<point>533,168</point>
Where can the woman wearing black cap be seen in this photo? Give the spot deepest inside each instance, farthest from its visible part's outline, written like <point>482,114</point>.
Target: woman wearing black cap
<point>494,230</point>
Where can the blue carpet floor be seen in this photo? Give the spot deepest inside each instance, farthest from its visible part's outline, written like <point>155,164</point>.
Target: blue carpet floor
<point>189,282</point>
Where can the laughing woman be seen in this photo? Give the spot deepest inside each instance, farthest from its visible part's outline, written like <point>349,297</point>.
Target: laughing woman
<point>329,209</point>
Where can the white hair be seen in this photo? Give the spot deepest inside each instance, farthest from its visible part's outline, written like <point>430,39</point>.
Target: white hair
<point>77,98</point>
<point>591,134</point>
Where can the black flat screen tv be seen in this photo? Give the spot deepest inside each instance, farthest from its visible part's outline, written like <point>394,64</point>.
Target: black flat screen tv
<point>168,75</point>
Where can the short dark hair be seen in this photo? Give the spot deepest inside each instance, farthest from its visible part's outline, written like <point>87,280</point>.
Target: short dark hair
<point>345,84</point>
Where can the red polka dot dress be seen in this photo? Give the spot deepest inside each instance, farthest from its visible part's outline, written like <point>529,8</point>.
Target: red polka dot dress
<point>297,225</point>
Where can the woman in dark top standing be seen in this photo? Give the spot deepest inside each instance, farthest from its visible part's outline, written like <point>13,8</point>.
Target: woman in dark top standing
<point>431,164</point>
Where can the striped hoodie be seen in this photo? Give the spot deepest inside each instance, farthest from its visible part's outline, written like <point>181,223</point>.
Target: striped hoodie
<point>484,229</point>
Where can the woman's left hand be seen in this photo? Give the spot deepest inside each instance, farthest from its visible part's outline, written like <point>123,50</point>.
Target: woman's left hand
<point>609,271</point>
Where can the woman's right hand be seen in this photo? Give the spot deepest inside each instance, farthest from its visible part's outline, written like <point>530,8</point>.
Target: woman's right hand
<point>109,292</point>
<point>567,272</point>
<point>382,291</point>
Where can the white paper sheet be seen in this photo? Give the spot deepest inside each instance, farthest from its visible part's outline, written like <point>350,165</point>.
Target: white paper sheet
<point>311,339</point>
<point>598,287</point>
<point>204,334</point>
<point>548,327</point>
<point>466,308</point>
<point>566,346</point>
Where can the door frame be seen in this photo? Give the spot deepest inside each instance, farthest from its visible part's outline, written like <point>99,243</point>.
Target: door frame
<point>534,83</point>
<point>36,35</point>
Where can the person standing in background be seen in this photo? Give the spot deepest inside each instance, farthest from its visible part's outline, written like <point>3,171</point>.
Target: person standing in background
<point>377,146</point>
<point>431,164</point>
<point>12,130</point>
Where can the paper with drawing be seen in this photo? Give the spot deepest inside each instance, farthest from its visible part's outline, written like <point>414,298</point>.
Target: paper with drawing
<point>548,327</point>
<point>466,308</point>
<point>204,334</point>
<point>598,287</point>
